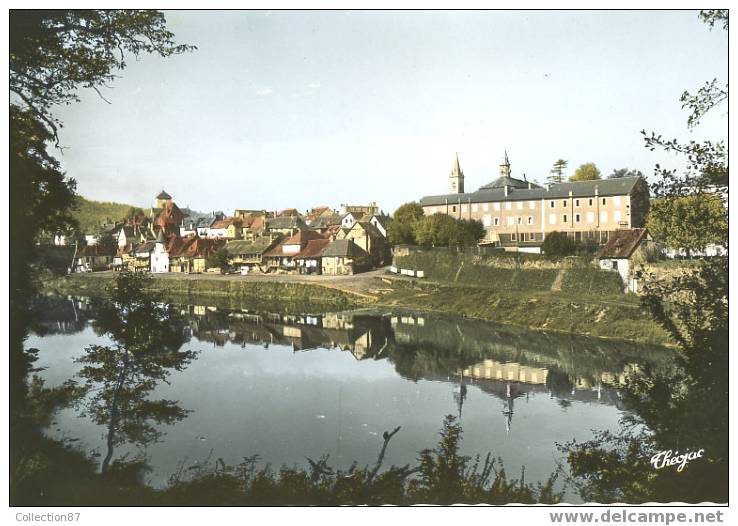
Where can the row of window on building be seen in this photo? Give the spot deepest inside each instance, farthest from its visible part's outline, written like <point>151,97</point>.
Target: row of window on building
<point>520,205</point>
<point>552,219</point>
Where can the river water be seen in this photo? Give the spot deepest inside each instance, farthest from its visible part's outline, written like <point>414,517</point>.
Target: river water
<point>290,386</point>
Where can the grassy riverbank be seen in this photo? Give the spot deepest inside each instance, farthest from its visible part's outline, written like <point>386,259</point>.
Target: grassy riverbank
<point>614,316</point>
<point>619,317</point>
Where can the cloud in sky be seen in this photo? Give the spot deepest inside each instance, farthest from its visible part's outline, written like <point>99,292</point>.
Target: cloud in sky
<point>314,85</point>
<point>264,92</point>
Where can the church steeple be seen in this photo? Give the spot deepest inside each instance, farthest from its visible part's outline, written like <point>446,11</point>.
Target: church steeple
<point>456,178</point>
<point>505,167</point>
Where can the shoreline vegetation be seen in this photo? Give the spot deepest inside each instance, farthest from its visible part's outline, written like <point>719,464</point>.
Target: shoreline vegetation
<point>616,317</point>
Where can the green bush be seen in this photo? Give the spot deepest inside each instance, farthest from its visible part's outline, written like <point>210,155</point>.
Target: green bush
<point>443,476</point>
<point>558,244</point>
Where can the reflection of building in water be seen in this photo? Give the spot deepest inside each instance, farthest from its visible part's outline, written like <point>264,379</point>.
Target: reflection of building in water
<point>361,335</point>
<point>60,316</point>
<point>511,371</point>
<point>490,369</point>
<point>508,381</point>
<point>408,320</point>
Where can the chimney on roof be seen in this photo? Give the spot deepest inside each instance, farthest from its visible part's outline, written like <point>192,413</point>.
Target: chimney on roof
<point>548,186</point>
<point>506,190</point>
<point>529,185</point>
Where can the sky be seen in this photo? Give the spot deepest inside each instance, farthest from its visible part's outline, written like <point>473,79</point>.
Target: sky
<point>300,109</point>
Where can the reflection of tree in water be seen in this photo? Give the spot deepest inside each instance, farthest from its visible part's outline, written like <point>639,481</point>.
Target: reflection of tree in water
<point>558,383</point>
<point>120,378</point>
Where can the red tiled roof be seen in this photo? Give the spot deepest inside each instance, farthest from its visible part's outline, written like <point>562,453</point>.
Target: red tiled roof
<point>313,248</point>
<point>225,222</point>
<point>275,251</point>
<point>302,237</point>
<point>287,212</point>
<point>622,243</point>
<point>247,220</point>
<point>257,225</point>
<point>197,247</point>
<point>169,215</point>
<point>317,211</point>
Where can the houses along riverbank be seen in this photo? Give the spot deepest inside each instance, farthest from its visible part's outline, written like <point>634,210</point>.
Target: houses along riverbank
<point>612,317</point>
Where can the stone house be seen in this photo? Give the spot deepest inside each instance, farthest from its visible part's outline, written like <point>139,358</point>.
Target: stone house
<point>254,227</point>
<point>379,222</point>
<point>286,226</point>
<point>190,255</point>
<point>283,255</point>
<point>226,228</point>
<point>369,238</point>
<point>91,258</point>
<point>248,255</point>
<point>621,250</point>
<point>324,223</point>
<point>344,257</point>
<point>142,256</point>
<point>309,259</point>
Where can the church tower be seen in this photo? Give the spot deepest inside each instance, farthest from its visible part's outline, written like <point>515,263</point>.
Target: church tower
<point>456,178</point>
<point>161,200</point>
<point>505,167</point>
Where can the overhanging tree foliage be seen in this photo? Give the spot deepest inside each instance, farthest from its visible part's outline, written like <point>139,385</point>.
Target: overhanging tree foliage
<point>690,222</point>
<point>53,53</point>
<point>686,406</point>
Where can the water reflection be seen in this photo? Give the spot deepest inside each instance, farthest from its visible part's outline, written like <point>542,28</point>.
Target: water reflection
<point>119,377</point>
<point>408,369</point>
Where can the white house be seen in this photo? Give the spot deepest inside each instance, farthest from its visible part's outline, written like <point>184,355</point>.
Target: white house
<point>160,256</point>
<point>617,254</point>
<point>348,220</point>
<point>379,222</point>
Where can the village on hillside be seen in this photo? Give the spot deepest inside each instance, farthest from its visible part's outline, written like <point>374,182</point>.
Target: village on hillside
<point>516,215</point>
<point>167,238</point>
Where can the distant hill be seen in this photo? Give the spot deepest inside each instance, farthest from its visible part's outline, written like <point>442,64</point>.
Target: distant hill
<point>91,214</point>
